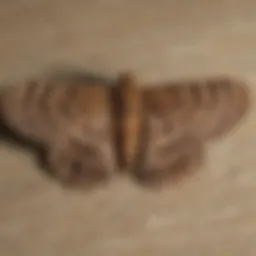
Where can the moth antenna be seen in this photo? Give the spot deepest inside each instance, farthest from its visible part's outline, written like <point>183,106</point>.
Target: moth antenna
<point>131,116</point>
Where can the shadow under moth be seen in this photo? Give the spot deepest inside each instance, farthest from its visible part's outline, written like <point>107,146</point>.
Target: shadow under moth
<point>157,133</point>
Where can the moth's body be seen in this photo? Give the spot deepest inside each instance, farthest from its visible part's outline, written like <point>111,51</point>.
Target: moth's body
<point>131,122</point>
<point>162,128</point>
<point>61,115</point>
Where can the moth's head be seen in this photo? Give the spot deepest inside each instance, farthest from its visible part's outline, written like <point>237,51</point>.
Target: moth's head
<point>79,166</point>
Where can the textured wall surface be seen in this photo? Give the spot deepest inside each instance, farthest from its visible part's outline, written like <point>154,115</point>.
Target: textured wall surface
<point>212,214</point>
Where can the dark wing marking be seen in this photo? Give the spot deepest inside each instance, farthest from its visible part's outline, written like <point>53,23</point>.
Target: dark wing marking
<point>78,165</point>
<point>206,108</point>
<point>166,159</point>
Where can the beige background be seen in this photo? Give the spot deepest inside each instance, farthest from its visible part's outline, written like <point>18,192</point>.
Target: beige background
<point>212,214</point>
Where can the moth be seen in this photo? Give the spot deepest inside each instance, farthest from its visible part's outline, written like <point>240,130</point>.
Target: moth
<point>156,133</point>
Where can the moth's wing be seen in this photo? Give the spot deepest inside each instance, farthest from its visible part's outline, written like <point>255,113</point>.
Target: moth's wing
<point>84,153</point>
<point>43,109</point>
<point>168,151</point>
<point>31,108</point>
<point>218,105</point>
<point>206,108</point>
<point>51,113</point>
<point>78,165</point>
<point>165,158</point>
<point>181,116</point>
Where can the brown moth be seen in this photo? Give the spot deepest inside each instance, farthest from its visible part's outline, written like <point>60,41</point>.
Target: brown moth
<point>157,132</point>
<point>72,121</point>
<point>167,125</point>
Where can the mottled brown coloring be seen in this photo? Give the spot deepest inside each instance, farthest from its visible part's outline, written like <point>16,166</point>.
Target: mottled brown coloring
<point>156,132</point>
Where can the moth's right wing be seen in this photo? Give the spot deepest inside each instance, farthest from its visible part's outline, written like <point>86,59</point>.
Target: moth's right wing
<point>156,147</point>
<point>181,116</point>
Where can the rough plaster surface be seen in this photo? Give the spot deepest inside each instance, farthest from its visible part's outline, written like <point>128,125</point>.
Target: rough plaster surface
<point>214,213</point>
